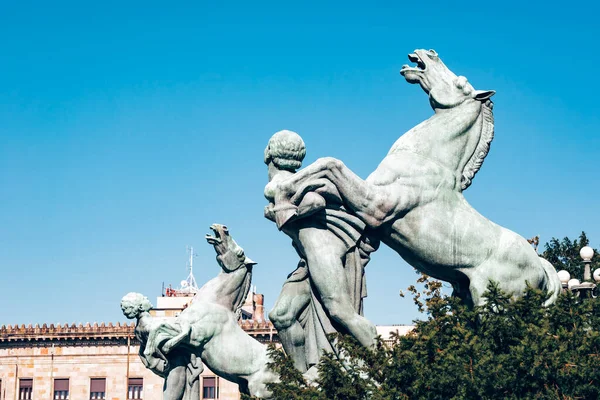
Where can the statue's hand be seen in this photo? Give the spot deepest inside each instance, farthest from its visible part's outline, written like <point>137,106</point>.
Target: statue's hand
<point>311,203</point>
<point>161,366</point>
<point>270,212</point>
<point>148,353</point>
<point>156,364</point>
<point>284,212</point>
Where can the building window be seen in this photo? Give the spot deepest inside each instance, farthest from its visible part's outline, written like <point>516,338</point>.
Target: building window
<point>61,389</point>
<point>97,388</point>
<point>25,389</point>
<point>210,388</point>
<point>246,315</point>
<point>135,388</point>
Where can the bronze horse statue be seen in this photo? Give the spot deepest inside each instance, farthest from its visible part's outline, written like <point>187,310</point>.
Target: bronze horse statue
<point>414,203</point>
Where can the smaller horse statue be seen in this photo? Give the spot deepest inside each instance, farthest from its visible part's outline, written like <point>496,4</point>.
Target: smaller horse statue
<point>208,329</point>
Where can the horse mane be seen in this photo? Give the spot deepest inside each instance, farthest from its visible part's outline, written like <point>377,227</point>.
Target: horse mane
<point>483,147</point>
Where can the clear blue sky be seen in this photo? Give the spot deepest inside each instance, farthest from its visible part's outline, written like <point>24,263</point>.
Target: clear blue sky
<point>128,128</point>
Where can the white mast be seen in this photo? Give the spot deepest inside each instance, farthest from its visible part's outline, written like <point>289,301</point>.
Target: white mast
<point>191,281</point>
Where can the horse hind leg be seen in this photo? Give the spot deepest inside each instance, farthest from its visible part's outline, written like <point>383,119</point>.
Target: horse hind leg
<point>553,284</point>
<point>511,276</point>
<point>461,289</point>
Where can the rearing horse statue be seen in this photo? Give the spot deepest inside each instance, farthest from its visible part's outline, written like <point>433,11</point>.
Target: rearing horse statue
<point>413,200</point>
<point>208,329</point>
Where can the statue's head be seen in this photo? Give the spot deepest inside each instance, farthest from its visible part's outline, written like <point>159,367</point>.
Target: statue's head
<point>133,304</point>
<point>445,89</point>
<point>286,150</point>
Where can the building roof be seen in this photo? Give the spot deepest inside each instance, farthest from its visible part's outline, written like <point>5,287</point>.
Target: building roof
<point>263,331</point>
<point>66,331</point>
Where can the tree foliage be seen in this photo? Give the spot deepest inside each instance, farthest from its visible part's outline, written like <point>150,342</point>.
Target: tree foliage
<point>504,350</point>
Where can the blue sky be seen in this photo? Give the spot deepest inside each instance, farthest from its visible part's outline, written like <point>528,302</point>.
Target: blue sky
<point>128,128</point>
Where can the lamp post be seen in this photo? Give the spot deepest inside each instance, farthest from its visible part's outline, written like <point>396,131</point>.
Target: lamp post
<point>587,287</point>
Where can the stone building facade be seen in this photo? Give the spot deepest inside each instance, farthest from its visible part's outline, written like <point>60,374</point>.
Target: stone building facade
<point>89,362</point>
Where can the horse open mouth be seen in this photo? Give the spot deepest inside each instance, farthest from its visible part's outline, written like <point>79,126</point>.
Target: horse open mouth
<point>219,231</point>
<point>414,57</point>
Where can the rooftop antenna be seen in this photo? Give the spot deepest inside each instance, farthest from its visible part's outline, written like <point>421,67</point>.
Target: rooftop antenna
<point>190,280</point>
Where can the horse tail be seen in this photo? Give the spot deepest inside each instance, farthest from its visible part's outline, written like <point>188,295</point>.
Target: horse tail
<point>553,284</point>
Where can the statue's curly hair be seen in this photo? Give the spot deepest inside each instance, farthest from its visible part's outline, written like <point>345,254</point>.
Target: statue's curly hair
<point>286,149</point>
<point>136,300</point>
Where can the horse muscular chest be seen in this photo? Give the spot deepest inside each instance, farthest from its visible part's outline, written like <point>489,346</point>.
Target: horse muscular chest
<point>430,230</point>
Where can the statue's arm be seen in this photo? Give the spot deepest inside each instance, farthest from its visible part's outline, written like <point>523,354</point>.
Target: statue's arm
<point>195,368</point>
<point>143,356</point>
<point>154,364</point>
<point>141,352</point>
<point>138,335</point>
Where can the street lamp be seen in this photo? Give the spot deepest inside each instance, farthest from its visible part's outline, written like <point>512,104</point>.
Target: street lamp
<point>586,254</point>
<point>587,287</point>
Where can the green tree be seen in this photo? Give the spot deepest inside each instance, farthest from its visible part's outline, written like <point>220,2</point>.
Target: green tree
<point>506,349</point>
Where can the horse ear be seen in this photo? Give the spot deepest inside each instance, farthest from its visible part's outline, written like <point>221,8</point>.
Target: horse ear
<point>483,95</point>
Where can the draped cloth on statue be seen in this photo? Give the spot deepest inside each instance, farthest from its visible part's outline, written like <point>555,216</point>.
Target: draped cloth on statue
<point>314,319</point>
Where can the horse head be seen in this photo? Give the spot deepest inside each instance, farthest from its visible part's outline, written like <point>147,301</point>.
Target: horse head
<point>230,255</point>
<point>445,89</point>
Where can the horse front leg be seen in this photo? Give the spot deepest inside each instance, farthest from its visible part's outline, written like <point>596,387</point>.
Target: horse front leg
<point>163,332</point>
<point>177,340</point>
<point>374,204</point>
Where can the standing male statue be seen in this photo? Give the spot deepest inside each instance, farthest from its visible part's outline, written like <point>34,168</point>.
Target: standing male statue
<point>325,293</point>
